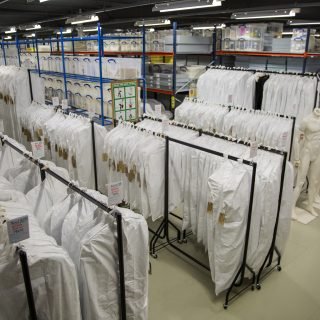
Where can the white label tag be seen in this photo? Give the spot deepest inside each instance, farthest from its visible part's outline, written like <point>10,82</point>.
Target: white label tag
<point>230,99</point>
<point>158,110</point>
<point>91,111</point>
<point>284,139</point>
<point>55,101</point>
<point>253,149</point>
<point>165,125</point>
<point>18,229</point>
<point>1,126</point>
<point>115,193</point>
<point>38,149</point>
<point>64,104</point>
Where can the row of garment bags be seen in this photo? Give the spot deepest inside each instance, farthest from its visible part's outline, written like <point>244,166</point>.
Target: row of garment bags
<point>265,128</point>
<point>292,95</point>
<point>68,141</point>
<point>72,249</point>
<point>204,188</point>
<point>14,97</point>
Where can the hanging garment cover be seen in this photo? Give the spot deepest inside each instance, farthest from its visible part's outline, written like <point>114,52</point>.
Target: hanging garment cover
<point>262,127</point>
<point>290,95</point>
<point>99,256</point>
<point>52,273</point>
<point>228,87</point>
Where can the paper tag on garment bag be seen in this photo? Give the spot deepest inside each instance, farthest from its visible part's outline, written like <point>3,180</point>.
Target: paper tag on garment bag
<point>64,104</point>
<point>1,126</point>
<point>18,229</point>
<point>253,149</point>
<point>158,110</point>
<point>91,111</point>
<point>55,101</point>
<point>38,149</point>
<point>115,193</point>
<point>165,125</point>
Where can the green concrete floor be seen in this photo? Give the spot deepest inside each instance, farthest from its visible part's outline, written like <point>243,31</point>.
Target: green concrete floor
<point>179,290</point>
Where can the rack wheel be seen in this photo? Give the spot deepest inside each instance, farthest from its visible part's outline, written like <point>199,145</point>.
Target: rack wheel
<point>253,287</point>
<point>185,240</point>
<point>279,268</point>
<point>180,241</point>
<point>258,286</point>
<point>225,306</point>
<point>154,256</point>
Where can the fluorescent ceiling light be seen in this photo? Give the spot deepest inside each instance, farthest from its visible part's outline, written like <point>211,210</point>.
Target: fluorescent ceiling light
<point>279,13</point>
<point>31,35</point>
<point>34,27</point>
<point>303,23</point>
<point>83,19</point>
<point>220,26</point>
<point>7,38</point>
<point>186,5</point>
<point>287,33</point>
<point>12,30</point>
<point>90,29</point>
<point>154,22</point>
<point>67,31</point>
<point>151,30</point>
<point>43,0</point>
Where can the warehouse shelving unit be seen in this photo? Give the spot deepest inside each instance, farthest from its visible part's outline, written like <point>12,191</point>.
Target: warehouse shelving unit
<point>60,41</point>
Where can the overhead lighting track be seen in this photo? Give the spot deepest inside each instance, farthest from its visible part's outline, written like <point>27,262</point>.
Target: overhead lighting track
<point>303,23</point>
<point>186,5</point>
<point>83,19</point>
<point>209,27</point>
<point>152,22</point>
<point>266,14</point>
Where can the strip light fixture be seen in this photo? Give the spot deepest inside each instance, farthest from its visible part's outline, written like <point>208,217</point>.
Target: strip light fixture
<point>279,13</point>
<point>83,19</point>
<point>7,38</point>
<point>220,26</point>
<point>90,29</point>
<point>12,30</point>
<point>186,5</point>
<point>33,27</point>
<point>31,35</point>
<point>67,31</point>
<point>303,22</point>
<point>154,22</point>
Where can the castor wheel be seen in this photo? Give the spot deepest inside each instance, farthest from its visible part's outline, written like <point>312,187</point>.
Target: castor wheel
<point>185,240</point>
<point>225,306</point>
<point>258,286</point>
<point>154,256</point>
<point>180,241</point>
<point>253,287</point>
<point>279,268</point>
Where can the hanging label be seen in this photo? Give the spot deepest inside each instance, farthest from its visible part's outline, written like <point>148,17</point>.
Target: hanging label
<point>55,101</point>
<point>1,126</point>
<point>91,111</point>
<point>38,149</point>
<point>253,149</point>
<point>115,193</point>
<point>230,99</point>
<point>284,139</point>
<point>18,229</point>
<point>158,110</point>
<point>165,125</point>
<point>64,104</point>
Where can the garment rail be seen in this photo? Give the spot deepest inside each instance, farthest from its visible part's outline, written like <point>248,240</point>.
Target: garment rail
<point>169,242</point>
<point>116,214</point>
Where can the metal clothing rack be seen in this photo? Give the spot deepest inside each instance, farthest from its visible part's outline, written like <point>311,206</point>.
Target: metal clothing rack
<point>239,278</point>
<point>45,170</point>
<point>165,224</point>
